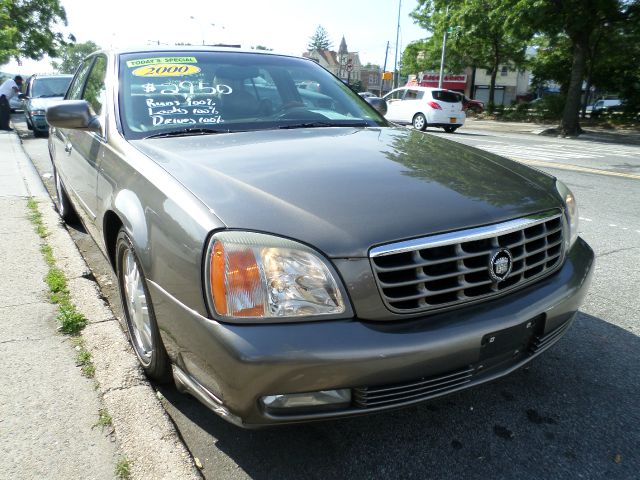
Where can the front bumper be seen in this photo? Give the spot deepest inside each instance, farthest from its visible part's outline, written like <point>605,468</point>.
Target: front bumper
<point>386,364</point>
<point>39,123</point>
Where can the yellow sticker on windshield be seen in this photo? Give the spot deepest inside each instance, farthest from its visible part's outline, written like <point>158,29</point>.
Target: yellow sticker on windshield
<point>157,60</point>
<point>166,70</point>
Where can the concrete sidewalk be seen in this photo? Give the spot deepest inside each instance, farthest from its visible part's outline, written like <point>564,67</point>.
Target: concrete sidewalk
<point>48,410</point>
<point>620,136</point>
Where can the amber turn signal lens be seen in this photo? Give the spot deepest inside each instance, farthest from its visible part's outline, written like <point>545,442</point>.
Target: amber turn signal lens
<point>236,282</point>
<point>217,278</point>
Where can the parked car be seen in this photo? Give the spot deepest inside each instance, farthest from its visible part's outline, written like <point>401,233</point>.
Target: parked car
<point>425,107</point>
<point>469,104</point>
<point>285,258</point>
<point>602,106</point>
<point>15,103</point>
<point>42,91</point>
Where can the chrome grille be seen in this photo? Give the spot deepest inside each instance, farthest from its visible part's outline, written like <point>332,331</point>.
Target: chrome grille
<point>445,270</point>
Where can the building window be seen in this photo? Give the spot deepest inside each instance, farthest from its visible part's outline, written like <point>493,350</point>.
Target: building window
<point>505,71</point>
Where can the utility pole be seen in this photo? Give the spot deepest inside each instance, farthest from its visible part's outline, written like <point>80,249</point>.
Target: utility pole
<point>384,68</point>
<point>395,61</point>
<point>444,48</point>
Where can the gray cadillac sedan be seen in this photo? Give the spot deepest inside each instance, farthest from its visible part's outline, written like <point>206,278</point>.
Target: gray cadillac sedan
<point>286,255</point>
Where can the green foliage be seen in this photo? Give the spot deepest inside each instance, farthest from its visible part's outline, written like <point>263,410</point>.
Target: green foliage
<point>71,321</point>
<point>56,281</point>
<point>588,28</point>
<point>482,33</point>
<point>27,28</point>
<point>123,469</point>
<point>72,54</point>
<point>104,418</point>
<point>319,40</point>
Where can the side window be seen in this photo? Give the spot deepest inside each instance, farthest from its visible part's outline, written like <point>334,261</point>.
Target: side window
<point>95,91</point>
<point>75,89</point>
<point>414,95</point>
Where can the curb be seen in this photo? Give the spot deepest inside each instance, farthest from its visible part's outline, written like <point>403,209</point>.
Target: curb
<point>144,433</point>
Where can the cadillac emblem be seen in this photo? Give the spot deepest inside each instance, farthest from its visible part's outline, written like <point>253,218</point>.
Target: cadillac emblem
<point>500,265</point>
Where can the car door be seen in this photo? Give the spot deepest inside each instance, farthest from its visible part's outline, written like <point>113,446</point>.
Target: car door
<point>394,104</point>
<point>411,104</point>
<point>83,148</point>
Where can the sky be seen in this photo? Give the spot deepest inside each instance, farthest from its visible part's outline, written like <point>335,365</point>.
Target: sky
<point>283,25</point>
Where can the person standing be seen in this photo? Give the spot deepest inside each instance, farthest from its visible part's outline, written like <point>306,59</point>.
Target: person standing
<point>8,89</point>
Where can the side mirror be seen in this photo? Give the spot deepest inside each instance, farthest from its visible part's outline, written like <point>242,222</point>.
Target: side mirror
<point>378,103</point>
<point>75,114</point>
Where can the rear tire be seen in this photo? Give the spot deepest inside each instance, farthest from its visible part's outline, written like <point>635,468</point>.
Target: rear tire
<point>63,204</point>
<point>139,313</point>
<point>450,129</point>
<point>419,122</point>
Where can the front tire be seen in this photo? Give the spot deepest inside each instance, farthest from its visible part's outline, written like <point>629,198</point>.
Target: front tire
<point>138,312</point>
<point>65,209</point>
<point>419,122</point>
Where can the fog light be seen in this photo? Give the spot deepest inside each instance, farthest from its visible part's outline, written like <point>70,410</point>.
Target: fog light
<point>310,399</point>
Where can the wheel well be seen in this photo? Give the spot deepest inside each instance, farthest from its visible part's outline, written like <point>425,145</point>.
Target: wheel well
<point>419,113</point>
<point>112,225</point>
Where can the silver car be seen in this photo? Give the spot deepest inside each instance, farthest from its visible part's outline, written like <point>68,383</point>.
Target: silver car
<point>287,255</point>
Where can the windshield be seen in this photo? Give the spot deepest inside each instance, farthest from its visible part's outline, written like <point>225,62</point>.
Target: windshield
<point>50,86</point>
<point>210,92</point>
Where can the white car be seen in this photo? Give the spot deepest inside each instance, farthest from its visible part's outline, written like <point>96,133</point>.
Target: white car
<point>425,107</point>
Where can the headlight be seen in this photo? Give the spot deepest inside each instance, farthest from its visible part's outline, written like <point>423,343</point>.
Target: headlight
<point>38,112</point>
<point>570,211</point>
<point>253,275</point>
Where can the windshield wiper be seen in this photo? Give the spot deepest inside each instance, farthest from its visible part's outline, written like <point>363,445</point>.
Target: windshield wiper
<point>185,132</point>
<point>323,124</point>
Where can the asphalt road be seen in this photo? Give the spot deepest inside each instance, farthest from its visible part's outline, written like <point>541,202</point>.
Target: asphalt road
<point>574,413</point>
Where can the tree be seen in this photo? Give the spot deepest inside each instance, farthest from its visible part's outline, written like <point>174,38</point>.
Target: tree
<point>320,40</point>
<point>482,34</point>
<point>72,54</point>
<point>584,24</point>
<point>27,28</point>
<point>262,47</point>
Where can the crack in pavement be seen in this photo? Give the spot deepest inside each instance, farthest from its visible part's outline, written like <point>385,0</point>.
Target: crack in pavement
<point>626,249</point>
<point>16,340</point>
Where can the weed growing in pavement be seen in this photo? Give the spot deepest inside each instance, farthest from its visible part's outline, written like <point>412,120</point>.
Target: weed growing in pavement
<point>36,218</point>
<point>71,321</point>
<point>83,360</point>
<point>104,419</point>
<point>123,469</point>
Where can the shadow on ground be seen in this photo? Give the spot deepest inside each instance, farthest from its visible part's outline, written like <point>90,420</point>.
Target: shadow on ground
<point>573,413</point>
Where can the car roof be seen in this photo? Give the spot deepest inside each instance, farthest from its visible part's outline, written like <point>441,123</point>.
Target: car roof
<point>192,48</point>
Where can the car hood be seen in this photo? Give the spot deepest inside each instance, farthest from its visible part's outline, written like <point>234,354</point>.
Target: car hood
<point>344,190</point>
<point>42,103</point>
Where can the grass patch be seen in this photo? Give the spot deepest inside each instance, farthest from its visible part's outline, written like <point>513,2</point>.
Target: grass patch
<point>71,321</point>
<point>36,218</point>
<point>47,253</point>
<point>57,283</point>
<point>123,469</point>
<point>104,419</point>
<point>84,361</point>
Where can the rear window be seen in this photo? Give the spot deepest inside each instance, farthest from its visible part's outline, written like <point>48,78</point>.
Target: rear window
<point>446,96</point>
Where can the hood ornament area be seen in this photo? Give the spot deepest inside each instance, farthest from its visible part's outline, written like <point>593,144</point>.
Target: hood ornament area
<point>500,265</point>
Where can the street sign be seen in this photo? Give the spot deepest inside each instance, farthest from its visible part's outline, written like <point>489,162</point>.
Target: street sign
<point>387,76</point>
<point>349,67</point>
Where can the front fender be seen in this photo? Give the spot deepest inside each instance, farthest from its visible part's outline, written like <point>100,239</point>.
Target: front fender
<point>129,208</point>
